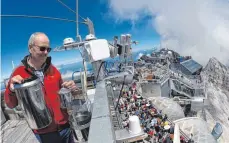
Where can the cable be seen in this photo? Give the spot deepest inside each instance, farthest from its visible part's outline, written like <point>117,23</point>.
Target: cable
<point>70,9</point>
<point>120,92</point>
<point>99,70</point>
<point>44,17</point>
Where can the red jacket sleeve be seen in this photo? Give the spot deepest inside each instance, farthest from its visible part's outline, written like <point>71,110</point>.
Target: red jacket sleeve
<point>9,97</point>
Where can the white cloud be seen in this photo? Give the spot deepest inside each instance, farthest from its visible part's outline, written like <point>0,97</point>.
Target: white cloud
<point>196,27</point>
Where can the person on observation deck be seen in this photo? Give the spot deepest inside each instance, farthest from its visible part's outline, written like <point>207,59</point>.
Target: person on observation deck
<point>38,64</point>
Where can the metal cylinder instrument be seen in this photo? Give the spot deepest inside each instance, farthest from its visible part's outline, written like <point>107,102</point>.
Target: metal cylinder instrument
<point>30,97</point>
<point>65,97</point>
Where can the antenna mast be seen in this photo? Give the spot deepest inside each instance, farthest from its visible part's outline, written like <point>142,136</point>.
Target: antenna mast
<point>77,19</point>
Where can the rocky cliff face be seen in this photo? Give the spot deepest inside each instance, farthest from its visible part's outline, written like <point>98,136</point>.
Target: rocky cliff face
<point>216,76</point>
<point>217,73</point>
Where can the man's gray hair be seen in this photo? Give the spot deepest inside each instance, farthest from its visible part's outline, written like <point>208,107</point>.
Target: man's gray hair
<point>32,38</point>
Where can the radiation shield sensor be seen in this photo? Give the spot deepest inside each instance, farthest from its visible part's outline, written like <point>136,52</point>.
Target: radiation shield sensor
<point>96,50</point>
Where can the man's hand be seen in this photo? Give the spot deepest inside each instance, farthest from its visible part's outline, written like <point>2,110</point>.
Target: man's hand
<point>15,79</point>
<point>70,85</point>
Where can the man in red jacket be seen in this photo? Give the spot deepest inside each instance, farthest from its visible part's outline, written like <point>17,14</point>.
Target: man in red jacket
<point>38,64</point>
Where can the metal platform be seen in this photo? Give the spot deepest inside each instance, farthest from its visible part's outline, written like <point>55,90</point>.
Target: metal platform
<point>17,131</point>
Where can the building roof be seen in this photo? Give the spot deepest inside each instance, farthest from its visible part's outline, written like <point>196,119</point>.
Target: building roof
<point>191,65</point>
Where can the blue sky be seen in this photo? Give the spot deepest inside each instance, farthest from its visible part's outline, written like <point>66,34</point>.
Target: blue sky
<point>15,32</point>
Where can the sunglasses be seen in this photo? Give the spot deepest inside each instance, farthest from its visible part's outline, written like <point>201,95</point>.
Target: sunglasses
<point>42,48</point>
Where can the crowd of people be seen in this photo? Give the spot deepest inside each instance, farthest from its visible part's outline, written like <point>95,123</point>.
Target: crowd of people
<point>152,121</point>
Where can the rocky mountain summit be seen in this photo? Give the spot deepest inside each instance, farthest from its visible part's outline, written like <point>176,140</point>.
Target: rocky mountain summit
<point>216,76</point>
